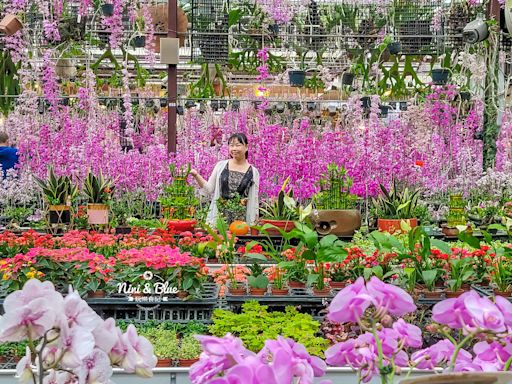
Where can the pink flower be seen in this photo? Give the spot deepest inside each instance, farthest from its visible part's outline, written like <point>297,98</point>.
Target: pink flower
<point>350,303</point>
<point>76,343</point>
<point>140,357</point>
<point>452,312</point>
<point>106,335</point>
<point>410,334</point>
<point>23,369</point>
<point>95,368</point>
<point>390,298</point>
<point>79,313</point>
<point>484,313</point>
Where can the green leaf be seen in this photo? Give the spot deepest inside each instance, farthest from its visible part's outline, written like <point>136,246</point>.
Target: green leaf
<point>312,278</point>
<point>378,271</point>
<point>328,241</point>
<point>441,245</point>
<point>471,240</point>
<point>187,282</point>
<point>367,273</point>
<point>256,256</point>
<point>429,277</point>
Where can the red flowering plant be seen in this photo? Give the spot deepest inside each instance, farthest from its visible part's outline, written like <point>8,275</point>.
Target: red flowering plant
<point>17,270</point>
<point>196,244</point>
<point>139,238</point>
<point>12,244</point>
<point>295,265</point>
<point>104,243</point>
<point>221,276</point>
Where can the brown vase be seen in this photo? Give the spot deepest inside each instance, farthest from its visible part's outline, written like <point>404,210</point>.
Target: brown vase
<point>186,362</point>
<point>96,294</point>
<point>163,363</point>
<point>393,225</point>
<point>279,292</point>
<point>258,291</point>
<point>450,232</point>
<point>296,284</point>
<point>10,24</point>
<point>338,284</point>
<point>322,292</point>
<point>340,222</point>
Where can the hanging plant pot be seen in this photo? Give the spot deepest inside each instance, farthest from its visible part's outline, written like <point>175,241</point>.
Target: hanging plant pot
<point>59,214</point>
<point>139,41</point>
<point>97,214</point>
<point>366,102</point>
<point>347,78</point>
<point>107,9</point>
<point>465,96</point>
<point>384,109</point>
<point>297,78</point>
<point>10,24</point>
<point>440,76</point>
<point>395,47</point>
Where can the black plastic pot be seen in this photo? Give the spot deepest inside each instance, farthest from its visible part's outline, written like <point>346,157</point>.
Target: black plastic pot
<point>347,78</point>
<point>297,78</point>
<point>215,105</point>
<point>107,9</point>
<point>280,107</point>
<point>311,105</point>
<point>123,230</point>
<point>440,76</point>
<point>235,105</point>
<point>223,104</point>
<point>403,105</point>
<point>274,29</point>
<point>179,110</point>
<point>465,96</point>
<point>395,47</point>
<point>190,104</point>
<point>163,102</point>
<point>384,109</point>
<point>139,41</point>
<point>294,106</point>
<point>366,102</point>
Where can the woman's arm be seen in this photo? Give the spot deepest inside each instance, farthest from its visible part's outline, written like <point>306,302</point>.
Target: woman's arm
<point>253,204</point>
<point>207,186</point>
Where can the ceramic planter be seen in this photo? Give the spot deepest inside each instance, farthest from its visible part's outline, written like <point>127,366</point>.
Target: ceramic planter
<point>59,214</point>
<point>139,41</point>
<point>10,24</point>
<point>393,225</point>
<point>182,225</point>
<point>97,214</point>
<point>450,232</point>
<point>340,222</point>
<point>297,78</point>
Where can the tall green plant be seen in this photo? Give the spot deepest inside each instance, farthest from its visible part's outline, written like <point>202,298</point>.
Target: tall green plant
<point>397,203</point>
<point>57,190</point>
<point>98,189</point>
<point>335,187</point>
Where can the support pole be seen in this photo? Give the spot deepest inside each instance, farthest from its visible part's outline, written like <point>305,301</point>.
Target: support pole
<point>172,80</point>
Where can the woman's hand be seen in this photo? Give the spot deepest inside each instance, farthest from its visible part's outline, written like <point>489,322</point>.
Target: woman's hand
<point>193,172</point>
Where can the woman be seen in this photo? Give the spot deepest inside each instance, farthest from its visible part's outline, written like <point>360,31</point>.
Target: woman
<point>231,181</point>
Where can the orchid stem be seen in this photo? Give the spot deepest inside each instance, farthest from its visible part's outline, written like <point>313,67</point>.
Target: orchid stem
<point>458,347</point>
<point>507,365</point>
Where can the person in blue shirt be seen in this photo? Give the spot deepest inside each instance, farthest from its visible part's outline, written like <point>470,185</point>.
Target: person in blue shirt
<point>8,155</point>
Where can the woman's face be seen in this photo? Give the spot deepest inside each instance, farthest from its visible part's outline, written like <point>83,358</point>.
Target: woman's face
<point>237,149</point>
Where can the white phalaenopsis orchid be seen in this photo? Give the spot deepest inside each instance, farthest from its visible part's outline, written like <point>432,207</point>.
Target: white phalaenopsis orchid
<point>69,343</point>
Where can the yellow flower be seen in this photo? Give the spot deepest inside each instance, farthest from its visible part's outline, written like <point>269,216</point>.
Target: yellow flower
<point>31,274</point>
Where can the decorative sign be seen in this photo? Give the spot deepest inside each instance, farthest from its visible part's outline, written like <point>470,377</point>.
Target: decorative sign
<point>146,291</point>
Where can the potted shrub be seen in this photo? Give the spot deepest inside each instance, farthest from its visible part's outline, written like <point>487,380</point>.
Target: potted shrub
<point>297,76</point>
<point>336,207</point>
<point>461,273</point>
<point>166,344</point>
<point>98,191</point>
<point>394,206</point>
<point>189,351</point>
<point>178,202</point>
<point>139,40</point>
<point>456,217</point>
<point>59,193</point>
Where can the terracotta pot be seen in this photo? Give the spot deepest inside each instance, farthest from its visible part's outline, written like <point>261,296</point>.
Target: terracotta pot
<point>258,291</point>
<point>96,294</point>
<point>213,261</point>
<point>279,292</point>
<point>285,225</point>
<point>465,287</point>
<point>322,292</point>
<point>163,363</point>
<point>59,214</point>
<point>186,362</point>
<point>393,225</point>
<point>239,291</point>
<point>451,294</point>
<point>503,293</point>
<point>338,284</point>
<point>463,378</point>
<point>182,294</point>
<point>10,24</point>
<point>182,225</point>
<point>340,222</point>
<point>436,294</point>
<point>97,214</point>
<point>296,284</point>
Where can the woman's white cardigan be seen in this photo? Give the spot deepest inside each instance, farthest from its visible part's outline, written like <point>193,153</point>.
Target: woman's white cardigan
<point>212,188</point>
